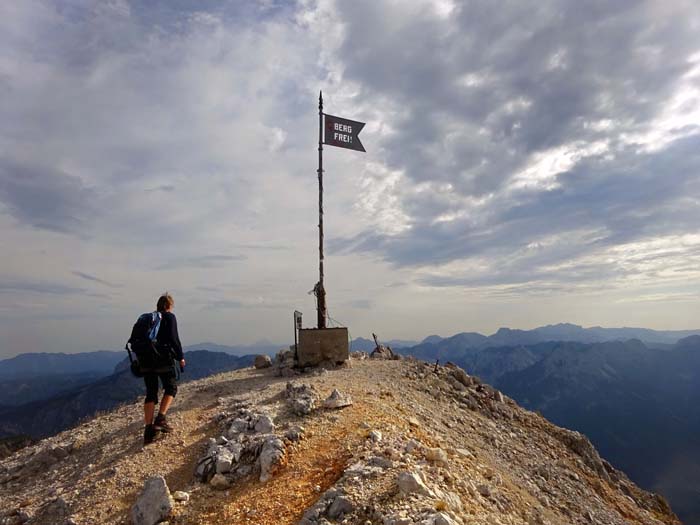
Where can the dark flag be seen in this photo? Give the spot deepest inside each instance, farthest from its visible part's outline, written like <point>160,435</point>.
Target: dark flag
<point>343,133</point>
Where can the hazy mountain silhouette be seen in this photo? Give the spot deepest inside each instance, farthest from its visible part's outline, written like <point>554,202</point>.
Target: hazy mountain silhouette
<point>36,376</point>
<point>261,347</point>
<point>454,345</point>
<point>24,390</point>
<point>49,416</point>
<point>46,364</point>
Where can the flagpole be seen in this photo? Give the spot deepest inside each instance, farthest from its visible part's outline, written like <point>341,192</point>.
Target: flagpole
<point>321,291</point>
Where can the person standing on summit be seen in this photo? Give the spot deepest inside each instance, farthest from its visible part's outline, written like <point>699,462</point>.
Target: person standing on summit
<point>169,351</point>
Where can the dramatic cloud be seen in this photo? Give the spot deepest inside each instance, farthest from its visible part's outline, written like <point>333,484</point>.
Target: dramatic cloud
<point>525,162</point>
<point>523,136</point>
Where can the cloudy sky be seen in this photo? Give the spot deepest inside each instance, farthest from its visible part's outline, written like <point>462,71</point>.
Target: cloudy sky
<point>528,162</point>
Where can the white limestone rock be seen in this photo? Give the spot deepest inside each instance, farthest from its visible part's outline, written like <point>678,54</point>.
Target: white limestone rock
<point>154,504</point>
<point>236,449</point>
<point>440,519</point>
<point>181,495</point>
<point>271,455</point>
<point>224,460</point>
<point>264,424</point>
<point>302,398</point>
<point>238,425</point>
<point>375,436</point>
<point>436,455</point>
<point>337,400</point>
<point>411,483</point>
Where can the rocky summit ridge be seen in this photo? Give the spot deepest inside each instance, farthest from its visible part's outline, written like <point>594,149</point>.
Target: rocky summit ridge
<point>374,441</point>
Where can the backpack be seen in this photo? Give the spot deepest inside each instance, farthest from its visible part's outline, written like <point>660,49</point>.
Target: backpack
<point>143,342</point>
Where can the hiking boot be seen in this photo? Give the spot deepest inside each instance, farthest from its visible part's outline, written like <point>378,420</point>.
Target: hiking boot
<point>162,424</point>
<point>149,434</point>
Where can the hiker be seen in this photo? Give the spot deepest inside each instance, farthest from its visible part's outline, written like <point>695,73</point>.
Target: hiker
<point>169,348</point>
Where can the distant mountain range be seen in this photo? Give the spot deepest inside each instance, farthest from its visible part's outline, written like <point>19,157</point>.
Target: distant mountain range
<point>36,376</point>
<point>15,392</point>
<point>561,332</point>
<point>367,345</point>
<point>637,401</point>
<point>262,347</point>
<point>514,337</point>
<point>102,362</point>
<point>46,417</point>
<point>29,365</point>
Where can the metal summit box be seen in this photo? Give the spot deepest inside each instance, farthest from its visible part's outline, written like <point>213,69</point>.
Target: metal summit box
<point>317,345</point>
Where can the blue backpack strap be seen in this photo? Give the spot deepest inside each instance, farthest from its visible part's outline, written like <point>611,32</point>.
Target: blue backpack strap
<point>156,317</point>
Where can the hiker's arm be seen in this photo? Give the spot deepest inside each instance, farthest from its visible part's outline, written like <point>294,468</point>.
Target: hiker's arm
<point>177,345</point>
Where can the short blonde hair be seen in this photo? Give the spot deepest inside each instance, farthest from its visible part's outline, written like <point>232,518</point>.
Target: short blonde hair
<point>165,301</point>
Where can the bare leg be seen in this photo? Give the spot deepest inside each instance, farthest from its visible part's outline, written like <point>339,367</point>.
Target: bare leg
<point>148,410</point>
<point>165,404</point>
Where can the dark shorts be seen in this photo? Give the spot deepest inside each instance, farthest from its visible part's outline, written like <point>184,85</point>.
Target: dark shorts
<point>168,379</point>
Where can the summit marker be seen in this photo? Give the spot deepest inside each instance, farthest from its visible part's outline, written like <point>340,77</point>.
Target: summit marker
<point>342,133</point>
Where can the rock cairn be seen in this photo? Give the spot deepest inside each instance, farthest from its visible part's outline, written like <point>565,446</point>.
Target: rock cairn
<point>249,445</point>
<point>285,363</point>
<point>382,351</point>
<point>301,398</point>
<point>262,361</point>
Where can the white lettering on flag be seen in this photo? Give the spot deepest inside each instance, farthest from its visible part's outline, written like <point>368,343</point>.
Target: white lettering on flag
<point>342,133</point>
